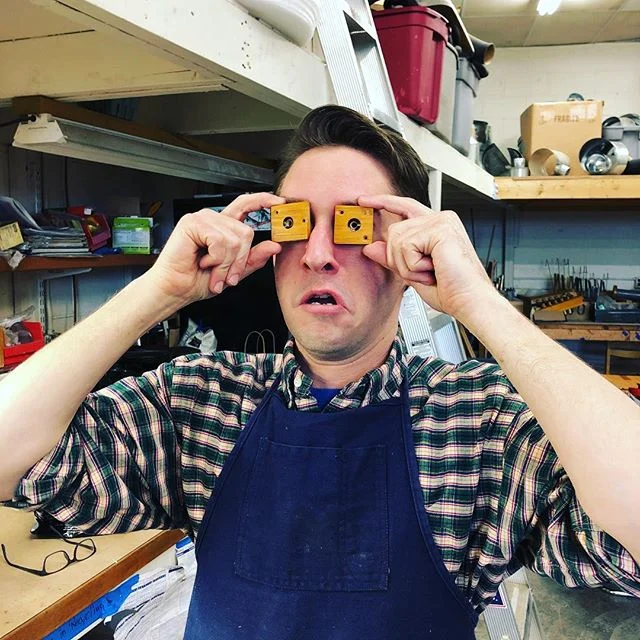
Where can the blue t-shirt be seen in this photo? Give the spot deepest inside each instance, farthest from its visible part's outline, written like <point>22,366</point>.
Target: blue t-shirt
<point>323,396</point>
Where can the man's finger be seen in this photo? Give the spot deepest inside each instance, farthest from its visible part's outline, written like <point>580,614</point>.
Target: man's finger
<point>243,205</point>
<point>238,266</point>
<point>415,261</point>
<point>423,277</point>
<point>377,251</point>
<point>405,207</point>
<point>220,271</point>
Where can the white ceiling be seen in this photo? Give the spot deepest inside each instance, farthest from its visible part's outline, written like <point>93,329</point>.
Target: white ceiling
<point>515,23</point>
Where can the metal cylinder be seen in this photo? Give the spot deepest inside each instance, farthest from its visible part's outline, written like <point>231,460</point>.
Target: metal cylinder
<point>599,156</point>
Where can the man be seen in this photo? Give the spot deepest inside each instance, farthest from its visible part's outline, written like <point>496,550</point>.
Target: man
<point>341,490</point>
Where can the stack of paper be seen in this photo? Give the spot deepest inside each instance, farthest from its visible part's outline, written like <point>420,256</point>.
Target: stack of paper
<point>58,242</point>
<point>159,602</point>
<point>64,240</point>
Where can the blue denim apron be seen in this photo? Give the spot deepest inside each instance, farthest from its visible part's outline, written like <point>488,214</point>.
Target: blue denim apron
<point>317,530</point>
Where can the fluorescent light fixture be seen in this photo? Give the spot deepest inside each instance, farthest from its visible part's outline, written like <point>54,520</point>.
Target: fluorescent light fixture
<point>547,7</point>
<point>58,136</point>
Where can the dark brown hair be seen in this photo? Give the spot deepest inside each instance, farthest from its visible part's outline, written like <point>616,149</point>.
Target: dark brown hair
<point>332,125</point>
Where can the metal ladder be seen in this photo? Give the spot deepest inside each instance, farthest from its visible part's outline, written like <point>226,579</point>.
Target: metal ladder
<point>354,60</point>
<point>360,81</point>
<point>357,69</point>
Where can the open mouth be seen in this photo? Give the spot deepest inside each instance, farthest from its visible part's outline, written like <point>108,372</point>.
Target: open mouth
<point>321,298</point>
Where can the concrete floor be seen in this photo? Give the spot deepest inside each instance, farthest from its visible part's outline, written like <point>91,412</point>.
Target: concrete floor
<point>579,614</point>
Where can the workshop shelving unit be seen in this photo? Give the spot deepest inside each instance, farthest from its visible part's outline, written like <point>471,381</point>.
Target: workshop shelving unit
<point>585,192</point>
<point>98,49</point>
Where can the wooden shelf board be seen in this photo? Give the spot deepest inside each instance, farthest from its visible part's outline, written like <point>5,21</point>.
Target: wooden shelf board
<point>93,262</point>
<point>607,332</point>
<point>569,188</point>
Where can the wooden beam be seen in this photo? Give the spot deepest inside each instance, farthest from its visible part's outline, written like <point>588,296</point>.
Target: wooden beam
<point>40,104</point>
<point>213,112</point>
<point>569,188</point>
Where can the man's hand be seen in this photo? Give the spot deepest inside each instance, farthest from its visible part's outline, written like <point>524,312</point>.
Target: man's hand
<point>209,251</point>
<point>432,252</point>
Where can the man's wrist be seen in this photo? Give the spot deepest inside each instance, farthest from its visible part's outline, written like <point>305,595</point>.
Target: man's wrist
<point>494,320</point>
<point>147,305</point>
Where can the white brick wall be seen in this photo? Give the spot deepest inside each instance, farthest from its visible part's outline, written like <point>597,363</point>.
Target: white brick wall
<point>602,238</point>
<point>520,76</point>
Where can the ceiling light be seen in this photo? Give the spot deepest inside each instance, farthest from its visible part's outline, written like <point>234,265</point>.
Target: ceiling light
<point>547,7</point>
<point>59,136</point>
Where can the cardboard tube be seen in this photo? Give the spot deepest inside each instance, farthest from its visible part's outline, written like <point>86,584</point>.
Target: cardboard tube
<point>549,162</point>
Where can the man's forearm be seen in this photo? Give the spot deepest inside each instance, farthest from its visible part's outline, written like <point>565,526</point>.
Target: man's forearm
<point>594,428</point>
<point>39,399</point>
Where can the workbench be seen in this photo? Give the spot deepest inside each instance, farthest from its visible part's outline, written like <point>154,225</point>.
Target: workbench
<point>33,606</point>
<point>606,332</point>
<point>623,382</point>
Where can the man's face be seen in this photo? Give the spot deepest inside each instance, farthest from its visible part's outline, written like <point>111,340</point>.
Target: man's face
<point>335,301</point>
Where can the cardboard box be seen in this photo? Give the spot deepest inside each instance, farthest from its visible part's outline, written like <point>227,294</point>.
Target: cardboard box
<point>563,126</point>
<point>133,234</point>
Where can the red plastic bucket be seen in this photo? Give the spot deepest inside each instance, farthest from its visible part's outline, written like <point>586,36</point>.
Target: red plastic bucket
<point>413,41</point>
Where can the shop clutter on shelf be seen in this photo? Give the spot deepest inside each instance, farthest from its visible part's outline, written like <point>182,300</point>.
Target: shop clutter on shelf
<point>567,138</point>
<point>19,338</point>
<point>71,232</point>
<point>435,66</point>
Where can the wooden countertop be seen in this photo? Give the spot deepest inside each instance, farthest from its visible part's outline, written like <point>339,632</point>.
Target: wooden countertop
<point>32,606</point>
<point>607,331</point>
<point>623,382</point>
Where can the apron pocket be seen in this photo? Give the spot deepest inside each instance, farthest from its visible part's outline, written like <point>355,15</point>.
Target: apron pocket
<point>315,518</point>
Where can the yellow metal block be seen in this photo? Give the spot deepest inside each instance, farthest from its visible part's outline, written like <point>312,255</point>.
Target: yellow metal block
<point>290,222</point>
<point>353,225</point>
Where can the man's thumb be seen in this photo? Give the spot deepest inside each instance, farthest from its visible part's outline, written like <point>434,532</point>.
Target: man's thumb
<point>376,251</point>
<point>259,255</point>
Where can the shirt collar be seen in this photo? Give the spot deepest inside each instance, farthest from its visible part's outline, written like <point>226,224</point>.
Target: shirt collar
<point>376,385</point>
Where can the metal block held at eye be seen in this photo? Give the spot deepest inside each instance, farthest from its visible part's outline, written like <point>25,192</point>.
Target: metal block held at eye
<point>290,222</point>
<point>353,225</point>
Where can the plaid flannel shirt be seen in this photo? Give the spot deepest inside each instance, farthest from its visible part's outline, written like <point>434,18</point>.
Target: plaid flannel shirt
<point>146,452</point>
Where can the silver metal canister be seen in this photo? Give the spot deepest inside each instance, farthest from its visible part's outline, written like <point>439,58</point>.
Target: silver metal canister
<point>519,168</point>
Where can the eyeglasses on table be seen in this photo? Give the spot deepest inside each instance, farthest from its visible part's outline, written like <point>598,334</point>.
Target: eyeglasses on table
<point>58,560</point>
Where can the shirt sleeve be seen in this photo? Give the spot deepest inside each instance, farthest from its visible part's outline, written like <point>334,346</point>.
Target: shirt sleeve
<point>549,531</point>
<point>116,468</point>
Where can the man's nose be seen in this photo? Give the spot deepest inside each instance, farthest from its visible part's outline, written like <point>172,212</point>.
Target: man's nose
<point>320,254</point>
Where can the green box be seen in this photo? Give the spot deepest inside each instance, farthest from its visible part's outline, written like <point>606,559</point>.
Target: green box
<point>133,234</point>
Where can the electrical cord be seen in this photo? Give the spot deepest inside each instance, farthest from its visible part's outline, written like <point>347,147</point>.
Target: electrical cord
<point>8,123</point>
